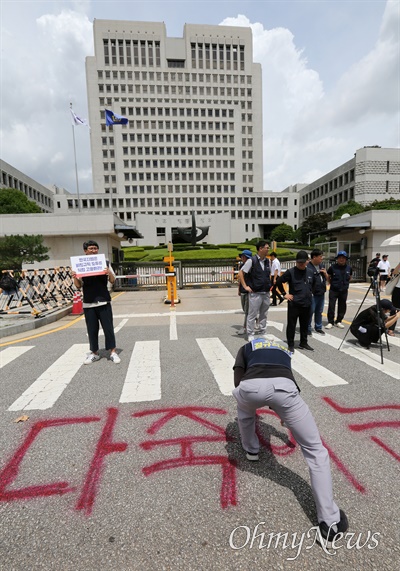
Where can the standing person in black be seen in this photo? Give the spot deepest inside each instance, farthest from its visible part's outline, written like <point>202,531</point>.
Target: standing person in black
<point>97,307</point>
<point>319,288</point>
<point>339,276</point>
<point>299,298</point>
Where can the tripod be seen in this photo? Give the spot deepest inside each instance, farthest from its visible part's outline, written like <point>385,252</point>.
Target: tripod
<point>374,286</point>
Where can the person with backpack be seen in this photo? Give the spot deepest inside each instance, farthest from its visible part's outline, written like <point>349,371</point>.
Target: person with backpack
<point>97,307</point>
<point>299,297</point>
<point>255,278</point>
<point>8,284</point>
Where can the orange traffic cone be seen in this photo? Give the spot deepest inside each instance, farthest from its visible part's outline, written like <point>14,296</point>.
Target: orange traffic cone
<point>77,307</point>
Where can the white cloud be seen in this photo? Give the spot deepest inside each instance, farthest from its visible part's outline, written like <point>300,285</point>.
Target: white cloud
<point>37,133</point>
<point>307,131</point>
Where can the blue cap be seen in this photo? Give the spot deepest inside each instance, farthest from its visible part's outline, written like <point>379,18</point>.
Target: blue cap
<point>342,253</point>
<point>246,253</point>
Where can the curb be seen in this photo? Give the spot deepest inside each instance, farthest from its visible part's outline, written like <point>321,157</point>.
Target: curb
<point>34,323</point>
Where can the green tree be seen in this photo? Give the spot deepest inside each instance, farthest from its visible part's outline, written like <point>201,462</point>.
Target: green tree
<point>282,233</point>
<point>13,201</point>
<point>16,250</point>
<point>312,224</point>
<point>350,207</point>
<point>388,204</point>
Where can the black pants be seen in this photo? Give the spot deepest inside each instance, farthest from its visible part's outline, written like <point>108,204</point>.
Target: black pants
<point>275,293</point>
<point>341,297</point>
<point>371,335</point>
<point>302,314</point>
<point>95,315</point>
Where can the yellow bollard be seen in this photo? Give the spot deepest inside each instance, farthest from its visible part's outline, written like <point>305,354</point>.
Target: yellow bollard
<point>172,295</point>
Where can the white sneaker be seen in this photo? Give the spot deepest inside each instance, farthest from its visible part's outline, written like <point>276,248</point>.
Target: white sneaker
<point>91,358</point>
<point>340,325</point>
<point>114,357</point>
<point>250,338</point>
<point>329,326</point>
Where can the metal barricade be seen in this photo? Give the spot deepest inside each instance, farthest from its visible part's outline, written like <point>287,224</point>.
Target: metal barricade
<point>39,291</point>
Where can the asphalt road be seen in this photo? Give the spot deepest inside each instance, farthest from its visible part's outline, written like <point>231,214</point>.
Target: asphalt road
<point>139,465</point>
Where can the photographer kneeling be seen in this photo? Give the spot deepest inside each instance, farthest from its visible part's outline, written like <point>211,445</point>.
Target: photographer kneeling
<point>365,326</point>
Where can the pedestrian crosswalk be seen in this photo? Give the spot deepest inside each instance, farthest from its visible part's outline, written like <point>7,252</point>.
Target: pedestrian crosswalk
<point>143,379</point>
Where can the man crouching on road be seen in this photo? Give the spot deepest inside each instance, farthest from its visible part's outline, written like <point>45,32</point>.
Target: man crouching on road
<point>263,377</point>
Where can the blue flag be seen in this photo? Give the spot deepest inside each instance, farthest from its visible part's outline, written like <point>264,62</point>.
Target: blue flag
<point>115,119</point>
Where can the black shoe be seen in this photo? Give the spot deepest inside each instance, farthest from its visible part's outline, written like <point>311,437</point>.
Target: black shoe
<point>320,331</point>
<point>306,347</point>
<point>281,300</point>
<point>328,533</point>
<point>273,304</point>
<point>291,348</point>
<point>309,333</point>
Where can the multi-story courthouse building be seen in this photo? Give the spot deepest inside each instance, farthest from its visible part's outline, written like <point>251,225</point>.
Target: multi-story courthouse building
<point>372,174</point>
<point>193,141</point>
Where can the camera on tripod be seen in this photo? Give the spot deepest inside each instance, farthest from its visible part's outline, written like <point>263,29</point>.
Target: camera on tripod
<point>374,271</point>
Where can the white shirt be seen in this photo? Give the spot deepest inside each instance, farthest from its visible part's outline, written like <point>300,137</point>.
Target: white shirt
<point>385,266</point>
<point>276,265</point>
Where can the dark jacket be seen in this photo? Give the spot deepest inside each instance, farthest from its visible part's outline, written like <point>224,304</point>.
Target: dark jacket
<point>319,280</point>
<point>300,285</point>
<point>257,278</point>
<point>340,277</point>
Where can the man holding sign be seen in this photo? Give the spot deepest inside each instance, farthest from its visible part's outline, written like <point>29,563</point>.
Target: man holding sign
<point>91,273</point>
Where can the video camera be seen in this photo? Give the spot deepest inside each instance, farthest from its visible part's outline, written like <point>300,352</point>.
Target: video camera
<point>374,271</point>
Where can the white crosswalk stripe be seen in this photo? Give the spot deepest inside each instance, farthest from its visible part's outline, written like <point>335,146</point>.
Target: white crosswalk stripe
<point>118,328</point>
<point>45,391</point>
<point>8,355</point>
<point>372,359</point>
<point>143,379</point>
<point>220,362</point>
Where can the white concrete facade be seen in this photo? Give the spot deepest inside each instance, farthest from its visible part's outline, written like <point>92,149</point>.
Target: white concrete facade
<point>64,234</point>
<point>369,229</point>
<point>372,174</point>
<point>10,177</point>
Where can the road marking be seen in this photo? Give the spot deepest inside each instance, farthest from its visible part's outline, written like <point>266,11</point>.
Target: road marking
<point>315,374</point>
<point>12,353</point>
<point>120,326</point>
<point>143,379</point>
<point>173,332</point>
<point>372,359</point>
<point>220,362</point>
<point>45,391</point>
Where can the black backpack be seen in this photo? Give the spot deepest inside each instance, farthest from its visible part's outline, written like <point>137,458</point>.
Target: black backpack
<point>7,283</point>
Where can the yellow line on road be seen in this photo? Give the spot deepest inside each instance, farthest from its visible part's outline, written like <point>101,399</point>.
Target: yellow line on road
<point>52,331</point>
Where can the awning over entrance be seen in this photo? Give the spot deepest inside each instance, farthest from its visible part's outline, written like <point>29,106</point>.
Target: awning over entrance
<point>128,231</point>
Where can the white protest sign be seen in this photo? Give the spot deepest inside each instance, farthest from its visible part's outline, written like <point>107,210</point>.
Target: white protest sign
<point>89,265</point>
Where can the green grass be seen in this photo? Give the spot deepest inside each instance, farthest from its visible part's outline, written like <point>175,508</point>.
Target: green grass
<point>224,252</point>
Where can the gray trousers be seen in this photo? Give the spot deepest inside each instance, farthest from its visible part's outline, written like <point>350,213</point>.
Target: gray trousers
<point>258,306</point>
<point>283,397</point>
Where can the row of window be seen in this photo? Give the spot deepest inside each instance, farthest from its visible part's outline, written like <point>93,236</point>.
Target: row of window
<point>172,138</point>
<point>180,77</point>
<point>132,52</point>
<point>164,89</point>
<point>155,176</point>
<point>331,202</point>
<point>328,187</point>
<point>182,164</point>
<point>181,112</point>
<point>240,214</point>
<point>262,202</point>
<point>9,181</point>
<point>217,56</point>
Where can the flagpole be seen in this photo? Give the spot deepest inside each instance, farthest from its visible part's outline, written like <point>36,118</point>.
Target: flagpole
<point>76,166</point>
